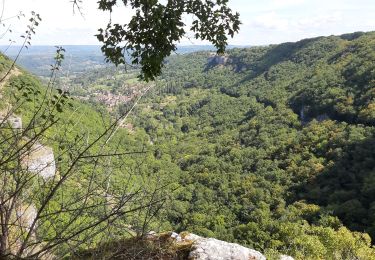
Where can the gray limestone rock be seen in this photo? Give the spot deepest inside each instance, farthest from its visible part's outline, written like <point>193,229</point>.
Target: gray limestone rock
<point>14,122</point>
<point>213,249</point>
<point>40,160</point>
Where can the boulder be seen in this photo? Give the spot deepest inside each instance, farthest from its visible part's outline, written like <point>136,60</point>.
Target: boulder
<point>214,249</point>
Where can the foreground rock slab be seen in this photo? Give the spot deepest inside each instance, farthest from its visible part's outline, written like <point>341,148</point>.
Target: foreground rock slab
<point>214,249</point>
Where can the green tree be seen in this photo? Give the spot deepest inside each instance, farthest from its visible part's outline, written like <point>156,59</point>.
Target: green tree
<point>156,27</point>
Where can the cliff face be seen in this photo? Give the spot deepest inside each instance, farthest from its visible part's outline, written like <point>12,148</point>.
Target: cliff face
<point>40,160</point>
<point>12,121</point>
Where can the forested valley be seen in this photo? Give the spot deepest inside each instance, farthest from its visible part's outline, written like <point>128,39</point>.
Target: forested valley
<point>271,147</point>
<point>274,145</point>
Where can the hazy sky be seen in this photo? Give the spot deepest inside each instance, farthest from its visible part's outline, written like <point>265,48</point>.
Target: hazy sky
<point>264,21</point>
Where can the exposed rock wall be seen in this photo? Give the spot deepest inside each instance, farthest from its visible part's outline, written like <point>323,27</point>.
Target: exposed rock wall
<point>40,160</point>
<point>26,215</point>
<point>218,60</point>
<point>14,122</point>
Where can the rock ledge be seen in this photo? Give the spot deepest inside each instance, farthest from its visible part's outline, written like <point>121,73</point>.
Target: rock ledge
<point>214,249</point>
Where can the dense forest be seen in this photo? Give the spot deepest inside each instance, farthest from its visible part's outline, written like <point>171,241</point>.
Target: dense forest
<point>274,145</point>
<point>270,147</point>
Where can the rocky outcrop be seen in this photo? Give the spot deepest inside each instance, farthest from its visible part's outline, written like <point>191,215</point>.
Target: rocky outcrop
<point>218,60</point>
<point>214,249</point>
<point>12,121</point>
<point>221,61</point>
<point>40,160</point>
<point>15,122</point>
<point>26,214</point>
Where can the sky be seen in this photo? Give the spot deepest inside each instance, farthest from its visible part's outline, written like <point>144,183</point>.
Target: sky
<point>263,22</point>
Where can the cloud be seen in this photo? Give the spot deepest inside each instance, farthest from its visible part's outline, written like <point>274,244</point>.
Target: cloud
<point>59,25</point>
<point>286,3</point>
<point>319,21</point>
<point>276,22</point>
<point>270,21</point>
<point>267,21</point>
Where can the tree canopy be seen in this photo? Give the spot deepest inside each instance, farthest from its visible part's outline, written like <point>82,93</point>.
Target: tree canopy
<point>157,26</point>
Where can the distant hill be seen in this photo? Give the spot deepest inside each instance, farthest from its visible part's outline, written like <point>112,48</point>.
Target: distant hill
<point>78,58</point>
<point>37,59</point>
